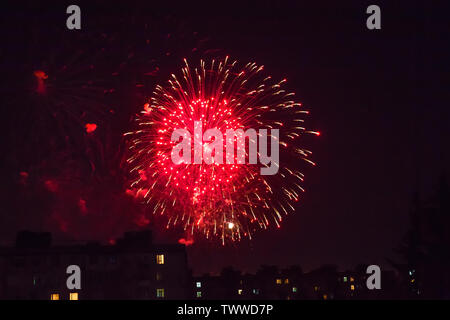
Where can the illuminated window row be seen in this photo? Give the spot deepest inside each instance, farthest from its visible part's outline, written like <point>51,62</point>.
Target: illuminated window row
<point>345,279</point>
<point>72,296</point>
<point>280,281</point>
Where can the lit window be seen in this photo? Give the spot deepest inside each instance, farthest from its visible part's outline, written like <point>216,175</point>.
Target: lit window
<point>54,296</point>
<point>352,279</point>
<point>345,279</point>
<point>160,259</point>
<point>198,284</point>
<point>73,296</point>
<point>294,289</point>
<point>352,287</point>
<point>255,291</point>
<point>199,294</point>
<point>239,291</point>
<point>278,281</point>
<point>316,288</point>
<point>286,281</point>
<point>325,297</point>
<point>160,293</point>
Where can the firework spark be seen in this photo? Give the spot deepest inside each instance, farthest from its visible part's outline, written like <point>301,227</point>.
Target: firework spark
<point>225,201</point>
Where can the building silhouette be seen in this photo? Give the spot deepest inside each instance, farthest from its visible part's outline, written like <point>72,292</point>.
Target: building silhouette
<point>132,268</point>
<point>269,283</point>
<point>136,268</point>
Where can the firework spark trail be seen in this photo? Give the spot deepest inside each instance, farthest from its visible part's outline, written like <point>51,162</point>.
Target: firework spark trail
<point>229,201</point>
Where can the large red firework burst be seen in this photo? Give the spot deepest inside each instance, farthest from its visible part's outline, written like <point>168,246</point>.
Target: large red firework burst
<point>229,201</point>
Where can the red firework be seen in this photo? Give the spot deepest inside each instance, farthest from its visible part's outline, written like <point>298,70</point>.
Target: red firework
<point>223,200</point>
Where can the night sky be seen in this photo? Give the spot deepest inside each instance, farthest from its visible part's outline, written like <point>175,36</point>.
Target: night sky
<point>378,97</point>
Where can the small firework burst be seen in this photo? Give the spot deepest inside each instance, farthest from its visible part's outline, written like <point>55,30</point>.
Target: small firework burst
<point>64,124</point>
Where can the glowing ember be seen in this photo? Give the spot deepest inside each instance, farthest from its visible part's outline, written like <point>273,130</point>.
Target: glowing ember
<point>40,77</point>
<point>90,127</point>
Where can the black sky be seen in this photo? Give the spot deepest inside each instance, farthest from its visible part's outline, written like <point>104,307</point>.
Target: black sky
<point>379,99</point>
